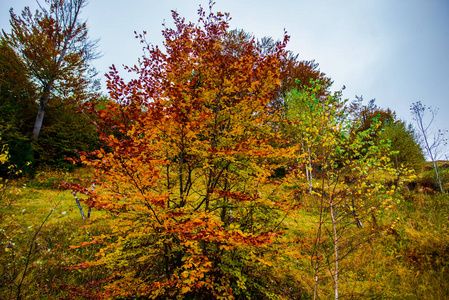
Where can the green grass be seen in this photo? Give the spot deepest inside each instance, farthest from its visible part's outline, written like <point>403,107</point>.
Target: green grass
<point>46,256</point>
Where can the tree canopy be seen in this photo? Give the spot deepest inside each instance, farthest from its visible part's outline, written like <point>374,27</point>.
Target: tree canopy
<point>202,159</point>
<point>187,176</point>
<point>44,68</point>
<point>55,50</point>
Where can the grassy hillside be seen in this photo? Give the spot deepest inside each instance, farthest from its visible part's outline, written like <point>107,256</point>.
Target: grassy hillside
<point>402,253</point>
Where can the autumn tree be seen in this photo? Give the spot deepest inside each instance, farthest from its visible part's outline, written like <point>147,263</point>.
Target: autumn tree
<point>55,49</point>
<point>61,133</point>
<point>295,73</point>
<point>364,116</point>
<point>406,149</point>
<point>187,178</point>
<point>353,172</point>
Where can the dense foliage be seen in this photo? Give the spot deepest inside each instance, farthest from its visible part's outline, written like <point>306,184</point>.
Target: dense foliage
<point>54,48</point>
<point>43,70</point>
<point>17,108</point>
<point>226,169</point>
<point>406,150</point>
<point>189,179</point>
<point>186,180</point>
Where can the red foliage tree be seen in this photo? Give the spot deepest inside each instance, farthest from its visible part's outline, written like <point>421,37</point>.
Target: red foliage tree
<point>186,177</point>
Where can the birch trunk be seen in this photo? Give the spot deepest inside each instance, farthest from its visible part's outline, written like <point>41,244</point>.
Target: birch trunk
<point>41,111</point>
<point>334,228</point>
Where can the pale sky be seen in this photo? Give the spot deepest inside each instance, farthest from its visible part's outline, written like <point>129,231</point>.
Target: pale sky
<point>396,51</point>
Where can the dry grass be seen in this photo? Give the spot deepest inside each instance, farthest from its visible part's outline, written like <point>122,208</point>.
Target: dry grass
<point>404,254</point>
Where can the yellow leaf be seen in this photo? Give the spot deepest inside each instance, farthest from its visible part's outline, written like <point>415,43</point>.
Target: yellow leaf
<point>185,289</point>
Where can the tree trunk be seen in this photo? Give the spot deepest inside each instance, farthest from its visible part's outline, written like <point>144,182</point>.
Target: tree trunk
<point>334,228</point>
<point>437,175</point>
<point>79,206</point>
<point>41,111</point>
<point>310,172</point>
<point>429,150</point>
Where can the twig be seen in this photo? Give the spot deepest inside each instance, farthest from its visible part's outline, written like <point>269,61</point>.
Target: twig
<point>31,248</point>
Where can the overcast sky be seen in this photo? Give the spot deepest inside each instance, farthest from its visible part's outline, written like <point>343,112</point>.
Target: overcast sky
<point>396,51</point>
